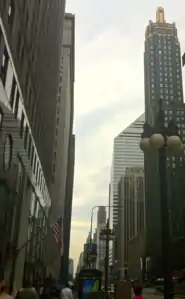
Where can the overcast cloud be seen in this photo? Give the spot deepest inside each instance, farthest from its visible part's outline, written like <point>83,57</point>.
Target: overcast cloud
<point>109,91</point>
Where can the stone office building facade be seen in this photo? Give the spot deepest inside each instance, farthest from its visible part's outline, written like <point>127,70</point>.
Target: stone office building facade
<point>24,195</point>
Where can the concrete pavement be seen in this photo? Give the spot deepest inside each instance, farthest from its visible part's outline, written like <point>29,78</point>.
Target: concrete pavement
<point>150,293</point>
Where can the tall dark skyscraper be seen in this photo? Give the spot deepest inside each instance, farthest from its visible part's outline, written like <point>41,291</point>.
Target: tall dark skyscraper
<point>163,76</point>
<point>163,80</point>
<point>30,51</point>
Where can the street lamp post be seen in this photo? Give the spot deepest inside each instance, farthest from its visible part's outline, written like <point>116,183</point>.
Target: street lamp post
<point>161,139</point>
<point>91,228</point>
<point>92,213</point>
<point>107,256</point>
<point>106,235</point>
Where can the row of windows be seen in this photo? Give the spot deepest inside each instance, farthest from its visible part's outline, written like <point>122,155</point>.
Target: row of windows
<point>167,98</point>
<point>28,22</point>
<point>1,118</point>
<point>166,69</point>
<point>169,48</point>
<point>163,78</point>
<point>28,92</point>
<point>165,65</point>
<point>167,55</point>
<point>14,98</point>
<point>127,143</point>
<point>37,229</point>
<point>164,94</point>
<point>166,80</point>
<point>57,116</point>
<point>163,59</point>
<point>178,112</point>
<point>134,204</point>
<point>163,72</point>
<point>166,62</point>
<point>164,52</point>
<point>168,119</point>
<point>10,217</point>
<point>121,157</point>
<point>164,85</point>
<point>167,42</point>
<point>167,88</point>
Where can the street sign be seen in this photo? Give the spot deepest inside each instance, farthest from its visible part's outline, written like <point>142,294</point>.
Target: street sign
<point>92,252</point>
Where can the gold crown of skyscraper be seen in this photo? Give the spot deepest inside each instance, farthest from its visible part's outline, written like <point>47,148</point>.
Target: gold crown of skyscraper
<point>160,15</point>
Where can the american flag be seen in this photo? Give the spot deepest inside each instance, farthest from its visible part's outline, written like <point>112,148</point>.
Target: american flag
<point>57,232</point>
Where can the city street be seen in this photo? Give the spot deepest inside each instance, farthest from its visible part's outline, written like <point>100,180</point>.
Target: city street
<point>92,148</point>
<point>150,293</point>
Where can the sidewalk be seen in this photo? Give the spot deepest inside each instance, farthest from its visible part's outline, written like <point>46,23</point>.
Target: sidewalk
<point>151,293</point>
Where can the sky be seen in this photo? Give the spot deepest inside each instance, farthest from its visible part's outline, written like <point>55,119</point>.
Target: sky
<point>109,91</point>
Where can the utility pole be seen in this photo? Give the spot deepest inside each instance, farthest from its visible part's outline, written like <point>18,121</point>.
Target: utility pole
<point>107,255</point>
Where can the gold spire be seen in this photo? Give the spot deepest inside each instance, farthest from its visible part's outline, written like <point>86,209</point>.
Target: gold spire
<point>160,15</point>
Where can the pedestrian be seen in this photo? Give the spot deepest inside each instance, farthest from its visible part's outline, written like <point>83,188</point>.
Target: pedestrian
<point>41,291</point>
<point>27,293</point>
<point>66,292</point>
<point>4,291</point>
<point>137,288</point>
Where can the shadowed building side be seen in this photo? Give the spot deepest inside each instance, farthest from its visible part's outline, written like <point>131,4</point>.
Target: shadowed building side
<point>131,223</point>
<point>126,153</point>
<point>163,81</point>
<point>30,48</point>
<point>61,186</point>
<point>68,208</point>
